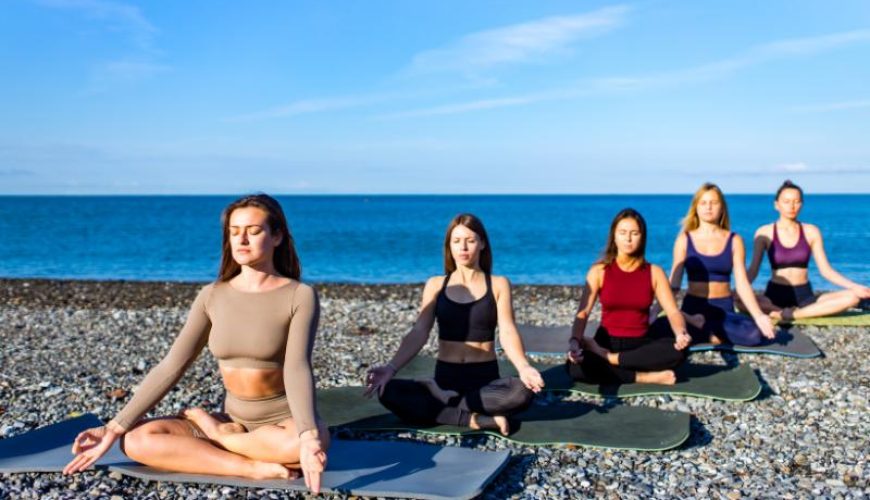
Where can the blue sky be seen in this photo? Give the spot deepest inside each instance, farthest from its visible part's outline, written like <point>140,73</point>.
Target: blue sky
<point>433,97</point>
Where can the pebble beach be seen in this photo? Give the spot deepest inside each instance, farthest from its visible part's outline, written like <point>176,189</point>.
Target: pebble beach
<point>72,347</point>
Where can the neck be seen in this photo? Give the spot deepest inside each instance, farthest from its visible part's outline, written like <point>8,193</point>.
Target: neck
<point>466,273</point>
<point>707,227</point>
<point>625,260</point>
<point>786,222</point>
<point>254,277</point>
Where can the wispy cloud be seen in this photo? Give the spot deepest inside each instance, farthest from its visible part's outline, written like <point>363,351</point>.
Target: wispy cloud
<point>519,43</point>
<point>16,172</point>
<point>305,106</point>
<point>834,106</point>
<point>788,168</point>
<point>118,16</point>
<point>784,169</point>
<point>760,54</point>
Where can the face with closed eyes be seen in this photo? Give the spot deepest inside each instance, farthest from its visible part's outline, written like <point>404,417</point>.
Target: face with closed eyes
<point>789,203</point>
<point>627,236</point>
<point>465,246</point>
<point>251,240</point>
<point>709,208</point>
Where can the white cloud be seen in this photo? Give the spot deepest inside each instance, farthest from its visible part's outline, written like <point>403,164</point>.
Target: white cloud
<point>710,71</point>
<point>519,43</point>
<point>791,167</point>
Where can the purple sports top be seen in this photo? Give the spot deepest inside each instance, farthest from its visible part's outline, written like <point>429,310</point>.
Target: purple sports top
<point>796,256</point>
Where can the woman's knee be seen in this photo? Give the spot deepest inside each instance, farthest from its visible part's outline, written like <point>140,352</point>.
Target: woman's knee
<point>138,442</point>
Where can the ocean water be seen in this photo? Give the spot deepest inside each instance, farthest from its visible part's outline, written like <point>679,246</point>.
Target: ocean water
<point>381,239</point>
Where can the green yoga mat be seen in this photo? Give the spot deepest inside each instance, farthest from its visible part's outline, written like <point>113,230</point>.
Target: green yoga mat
<point>738,383</point>
<point>577,423</point>
<point>849,318</point>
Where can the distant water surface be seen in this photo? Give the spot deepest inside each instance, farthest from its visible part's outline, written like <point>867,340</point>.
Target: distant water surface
<point>380,239</point>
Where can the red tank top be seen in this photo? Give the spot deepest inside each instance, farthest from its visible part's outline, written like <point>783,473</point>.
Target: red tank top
<point>625,300</point>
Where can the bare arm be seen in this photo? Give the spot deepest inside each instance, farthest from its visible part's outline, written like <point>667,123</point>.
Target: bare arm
<point>677,266</point>
<point>378,376</point>
<point>664,296</point>
<point>744,288</point>
<point>510,338</point>
<point>760,243</point>
<point>587,302</point>
<point>825,267</point>
<point>414,341</point>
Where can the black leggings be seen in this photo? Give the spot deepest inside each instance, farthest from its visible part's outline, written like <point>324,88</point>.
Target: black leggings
<point>480,391</point>
<point>653,352</point>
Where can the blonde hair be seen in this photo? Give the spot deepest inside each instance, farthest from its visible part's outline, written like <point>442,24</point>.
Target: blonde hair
<point>691,221</point>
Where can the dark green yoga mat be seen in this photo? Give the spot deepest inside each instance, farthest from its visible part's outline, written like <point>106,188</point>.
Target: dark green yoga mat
<point>553,341</point>
<point>578,423</point>
<point>738,383</point>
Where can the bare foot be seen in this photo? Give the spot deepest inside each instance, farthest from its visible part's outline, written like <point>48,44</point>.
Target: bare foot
<point>499,422</point>
<point>593,347</point>
<point>213,428</point>
<point>715,340</point>
<point>439,393</point>
<point>664,377</point>
<point>269,470</point>
<point>696,320</point>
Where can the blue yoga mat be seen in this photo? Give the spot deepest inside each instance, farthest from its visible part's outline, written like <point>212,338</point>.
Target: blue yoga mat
<point>360,468</point>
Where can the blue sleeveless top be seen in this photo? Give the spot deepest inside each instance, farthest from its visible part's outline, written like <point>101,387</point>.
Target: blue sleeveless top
<point>705,268</point>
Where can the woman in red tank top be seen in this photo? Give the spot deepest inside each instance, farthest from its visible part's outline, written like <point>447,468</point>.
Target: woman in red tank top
<point>626,348</point>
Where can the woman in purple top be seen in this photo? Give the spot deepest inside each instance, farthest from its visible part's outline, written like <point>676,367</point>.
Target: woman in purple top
<point>789,245</point>
<point>710,253</point>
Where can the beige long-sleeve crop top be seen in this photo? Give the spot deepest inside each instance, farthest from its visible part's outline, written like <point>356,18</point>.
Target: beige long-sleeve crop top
<point>271,329</point>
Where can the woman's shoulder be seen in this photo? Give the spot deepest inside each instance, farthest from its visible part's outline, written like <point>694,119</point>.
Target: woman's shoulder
<point>765,230</point>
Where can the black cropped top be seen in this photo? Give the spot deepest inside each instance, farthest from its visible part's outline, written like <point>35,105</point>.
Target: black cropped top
<point>467,322</point>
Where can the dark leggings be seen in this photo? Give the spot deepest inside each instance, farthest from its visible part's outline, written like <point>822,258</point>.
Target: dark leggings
<point>653,352</point>
<point>720,320</point>
<point>480,391</point>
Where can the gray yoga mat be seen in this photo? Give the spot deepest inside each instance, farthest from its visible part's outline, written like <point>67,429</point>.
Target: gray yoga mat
<point>553,341</point>
<point>727,383</point>
<point>359,468</point>
<point>788,342</point>
<point>578,423</point>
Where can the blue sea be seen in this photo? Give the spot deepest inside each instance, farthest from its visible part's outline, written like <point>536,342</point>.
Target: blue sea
<point>380,239</point>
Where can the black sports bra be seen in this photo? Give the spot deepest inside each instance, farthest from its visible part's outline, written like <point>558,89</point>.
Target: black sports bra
<point>467,322</point>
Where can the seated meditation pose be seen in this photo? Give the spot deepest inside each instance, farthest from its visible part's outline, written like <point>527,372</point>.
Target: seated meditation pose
<point>259,321</point>
<point>468,302</point>
<point>626,348</point>
<point>789,244</point>
<point>709,253</point>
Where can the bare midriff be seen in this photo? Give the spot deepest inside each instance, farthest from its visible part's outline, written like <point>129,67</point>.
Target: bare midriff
<point>253,383</point>
<point>453,351</point>
<point>709,289</point>
<point>792,276</point>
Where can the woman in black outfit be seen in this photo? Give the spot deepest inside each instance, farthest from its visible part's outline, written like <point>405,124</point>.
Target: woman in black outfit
<point>468,303</point>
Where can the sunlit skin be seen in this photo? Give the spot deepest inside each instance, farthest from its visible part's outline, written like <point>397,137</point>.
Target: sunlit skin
<point>710,239</point>
<point>627,238</point>
<point>264,453</point>
<point>789,204</point>
<point>467,284</point>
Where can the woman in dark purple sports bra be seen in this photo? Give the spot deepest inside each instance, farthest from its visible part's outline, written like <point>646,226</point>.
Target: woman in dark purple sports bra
<point>789,245</point>
<point>710,253</point>
<point>468,303</point>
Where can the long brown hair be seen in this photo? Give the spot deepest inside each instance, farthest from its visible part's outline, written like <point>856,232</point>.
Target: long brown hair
<point>284,258</point>
<point>471,222</point>
<point>691,221</point>
<point>610,249</point>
